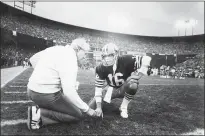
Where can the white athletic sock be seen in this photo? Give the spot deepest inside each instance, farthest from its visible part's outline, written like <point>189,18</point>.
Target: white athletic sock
<point>124,104</point>
<point>126,100</point>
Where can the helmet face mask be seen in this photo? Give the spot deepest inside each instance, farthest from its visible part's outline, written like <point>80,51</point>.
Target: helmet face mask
<point>109,54</point>
<point>108,60</point>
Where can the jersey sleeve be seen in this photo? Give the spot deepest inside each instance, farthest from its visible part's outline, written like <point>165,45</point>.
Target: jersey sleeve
<point>137,61</point>
<point>99,79</point>
<point>145,63</point>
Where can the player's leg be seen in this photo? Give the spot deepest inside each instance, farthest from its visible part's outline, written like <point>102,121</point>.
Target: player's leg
<point>52,108</point>
<point>127,92</point>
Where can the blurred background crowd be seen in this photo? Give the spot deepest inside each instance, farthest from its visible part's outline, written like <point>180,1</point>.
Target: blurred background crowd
<point>14,52</point>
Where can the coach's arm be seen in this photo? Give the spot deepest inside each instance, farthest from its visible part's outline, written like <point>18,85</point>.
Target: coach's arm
<point>68,75</point>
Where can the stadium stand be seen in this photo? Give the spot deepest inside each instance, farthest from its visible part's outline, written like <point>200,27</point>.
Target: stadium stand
<point>40,29</point>
<point>44,31</point>
<point>194,67</point>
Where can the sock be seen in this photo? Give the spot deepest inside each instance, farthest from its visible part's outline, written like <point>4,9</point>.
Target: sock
<point>126,100</point>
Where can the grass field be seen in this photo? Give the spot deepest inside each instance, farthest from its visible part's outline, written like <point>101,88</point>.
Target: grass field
<point>160,107</point>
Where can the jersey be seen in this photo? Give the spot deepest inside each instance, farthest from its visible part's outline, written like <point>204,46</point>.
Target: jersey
<point>116,76</point>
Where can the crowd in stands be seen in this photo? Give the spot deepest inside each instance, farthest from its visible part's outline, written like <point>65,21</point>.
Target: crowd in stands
<point>13,56</point>
<point>126,43</point>
<point>64,34</point>
<point>12,53</point>
<point>190,68</point>
<point>195,66</point>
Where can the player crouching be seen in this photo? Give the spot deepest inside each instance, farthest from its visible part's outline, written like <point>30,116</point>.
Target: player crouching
<point>121,74</point>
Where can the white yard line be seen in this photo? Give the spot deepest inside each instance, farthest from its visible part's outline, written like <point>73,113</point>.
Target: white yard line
<point>15,102</point>
<point>17,86</point>
<point>12,122</point>
<point>15,92</point>
<point>20,82</point>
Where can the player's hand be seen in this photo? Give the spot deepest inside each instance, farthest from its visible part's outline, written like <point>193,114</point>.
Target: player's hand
<point>134,76</point>
<point>99,112</point>
<point>91,112</point>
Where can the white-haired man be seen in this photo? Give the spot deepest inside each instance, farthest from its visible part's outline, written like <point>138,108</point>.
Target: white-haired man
<point>52,85</point>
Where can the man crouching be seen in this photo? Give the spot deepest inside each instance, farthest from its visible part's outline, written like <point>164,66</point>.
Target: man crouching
<point>52,86</point>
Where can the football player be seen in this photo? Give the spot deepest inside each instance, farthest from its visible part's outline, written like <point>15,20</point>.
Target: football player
<point>121,74</point>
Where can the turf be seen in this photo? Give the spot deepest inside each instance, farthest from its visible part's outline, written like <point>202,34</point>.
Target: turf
<point>160,107</point>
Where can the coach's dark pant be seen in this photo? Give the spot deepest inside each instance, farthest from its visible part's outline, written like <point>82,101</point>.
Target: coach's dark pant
<point>55,107</point>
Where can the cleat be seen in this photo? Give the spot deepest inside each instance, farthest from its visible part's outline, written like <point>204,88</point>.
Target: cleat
<point>123,113</point>
<point>34,121</point>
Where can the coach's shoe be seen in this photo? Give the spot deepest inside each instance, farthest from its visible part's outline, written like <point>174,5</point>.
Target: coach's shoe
<point>34,120</point>
<point>123,113</point>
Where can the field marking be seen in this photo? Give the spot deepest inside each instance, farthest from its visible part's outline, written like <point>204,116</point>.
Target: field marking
<point>15,92</point>
<point>22,80</point>
<point>15,102</point>
<point>198,131</point>
<point>5,79</point>
<point>19,82</point>
<point>12,122</point>
<point>21,86</point>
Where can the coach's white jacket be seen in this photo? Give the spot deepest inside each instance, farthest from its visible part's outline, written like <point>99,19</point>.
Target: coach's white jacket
<point>55,68</point>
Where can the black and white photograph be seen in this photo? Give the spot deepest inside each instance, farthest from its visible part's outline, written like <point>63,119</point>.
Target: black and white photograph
<point>102,67</point>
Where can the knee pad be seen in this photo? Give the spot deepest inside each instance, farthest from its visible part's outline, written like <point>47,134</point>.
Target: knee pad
<point>132,87</point>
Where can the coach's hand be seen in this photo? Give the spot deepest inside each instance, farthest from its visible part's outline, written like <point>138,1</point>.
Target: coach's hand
<point>91,112</point>
<point>99,112</point>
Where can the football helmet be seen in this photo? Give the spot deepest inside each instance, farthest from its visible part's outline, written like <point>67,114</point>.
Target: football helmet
<point>109,54</point>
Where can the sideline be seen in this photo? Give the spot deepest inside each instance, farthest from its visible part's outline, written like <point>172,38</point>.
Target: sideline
<point>8,74</point>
